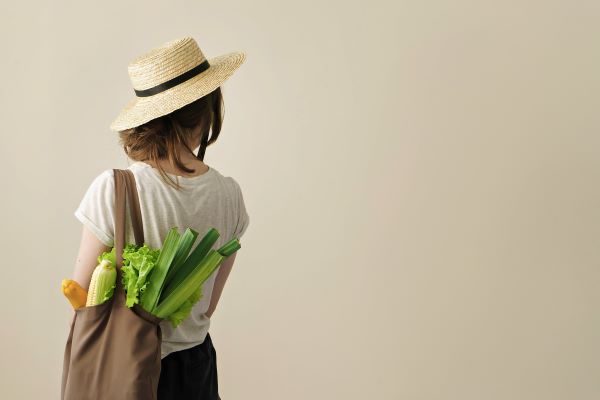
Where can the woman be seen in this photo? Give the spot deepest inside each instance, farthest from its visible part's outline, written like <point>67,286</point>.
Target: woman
<point>178,102</point>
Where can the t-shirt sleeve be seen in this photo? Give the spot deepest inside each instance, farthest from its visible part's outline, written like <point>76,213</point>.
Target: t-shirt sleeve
<point>243,219</point>
<point>96,209</point>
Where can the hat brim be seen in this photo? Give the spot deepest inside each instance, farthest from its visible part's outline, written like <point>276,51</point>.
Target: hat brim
<point>143,109</point>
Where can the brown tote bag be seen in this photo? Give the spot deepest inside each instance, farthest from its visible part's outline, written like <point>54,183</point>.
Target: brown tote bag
<point>113,351</point>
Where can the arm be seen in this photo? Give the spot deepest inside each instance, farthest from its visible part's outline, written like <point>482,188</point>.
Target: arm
<point>90,248</point>
<point>220,280</point>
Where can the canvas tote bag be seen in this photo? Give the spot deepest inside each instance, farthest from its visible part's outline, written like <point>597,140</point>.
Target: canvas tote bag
<point>113,351</point>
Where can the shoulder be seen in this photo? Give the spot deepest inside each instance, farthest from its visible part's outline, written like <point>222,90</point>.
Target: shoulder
<point>105,180</point>
<point>102,185</point>
<point>236,194</point>
<point>96,207</point>
<point>232,184</point>
<point>234,188</point>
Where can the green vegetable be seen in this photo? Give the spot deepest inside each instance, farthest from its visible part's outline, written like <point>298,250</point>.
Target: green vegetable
<point>138,262</point>
<point>110,256</point>
<point>169,274</point>
<point>196,279</point>
<point>190,263</point>
<point>230,247</point>
<point>185,245</point>
<point>149,297</point>
<point>185,289</point>
<point>184,310</point>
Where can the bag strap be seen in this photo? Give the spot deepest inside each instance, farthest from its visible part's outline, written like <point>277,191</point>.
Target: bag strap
<point>126,192</point>
<point>134,208</point>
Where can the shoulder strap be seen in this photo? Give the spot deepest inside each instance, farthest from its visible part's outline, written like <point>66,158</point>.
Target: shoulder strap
<point>134,208</point>
<point>125,187</point>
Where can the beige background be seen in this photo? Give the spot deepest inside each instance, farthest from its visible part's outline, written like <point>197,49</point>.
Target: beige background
<point>422,179</point>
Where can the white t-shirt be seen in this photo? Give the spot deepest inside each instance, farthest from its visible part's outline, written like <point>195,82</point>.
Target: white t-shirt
<point>210,200</point>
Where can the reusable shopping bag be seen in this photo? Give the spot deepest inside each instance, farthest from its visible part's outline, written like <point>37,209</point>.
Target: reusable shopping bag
<point>113,351</point>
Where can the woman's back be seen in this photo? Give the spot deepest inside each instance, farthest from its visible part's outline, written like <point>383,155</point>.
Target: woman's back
<point>205,201</point>
<point>176,114</point>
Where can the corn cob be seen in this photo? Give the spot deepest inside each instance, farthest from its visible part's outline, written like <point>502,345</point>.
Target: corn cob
<point>102,284</point>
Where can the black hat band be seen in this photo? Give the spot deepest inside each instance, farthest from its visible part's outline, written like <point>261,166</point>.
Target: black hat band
<point>173,82</point>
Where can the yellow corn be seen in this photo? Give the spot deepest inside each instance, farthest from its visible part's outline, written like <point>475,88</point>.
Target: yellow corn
<point>102,284</point>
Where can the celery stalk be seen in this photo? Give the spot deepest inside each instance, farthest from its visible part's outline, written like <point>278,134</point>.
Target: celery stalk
<point>185,245</point>
<point>185,289</point>
<point>230,247</point>
<point>186,308</point>
<point>190,263</point>
<point>150,296</point>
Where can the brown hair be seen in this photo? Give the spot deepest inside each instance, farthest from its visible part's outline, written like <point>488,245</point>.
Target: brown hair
<point>159,138</point>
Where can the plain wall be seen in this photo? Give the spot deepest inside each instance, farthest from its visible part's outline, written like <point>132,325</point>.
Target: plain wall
<point>422,180</point>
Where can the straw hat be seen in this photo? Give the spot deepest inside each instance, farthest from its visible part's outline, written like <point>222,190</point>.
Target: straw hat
<point>170,76</point>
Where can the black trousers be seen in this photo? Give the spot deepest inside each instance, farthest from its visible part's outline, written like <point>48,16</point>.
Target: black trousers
<point>190,374</point>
